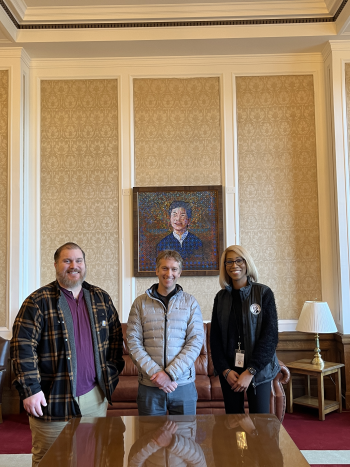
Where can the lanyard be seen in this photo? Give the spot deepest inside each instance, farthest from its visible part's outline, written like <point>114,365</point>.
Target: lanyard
<point>238,322</point>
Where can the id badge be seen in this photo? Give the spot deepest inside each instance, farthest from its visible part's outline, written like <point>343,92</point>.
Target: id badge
<point>239,360</point>
<point>241,438</point>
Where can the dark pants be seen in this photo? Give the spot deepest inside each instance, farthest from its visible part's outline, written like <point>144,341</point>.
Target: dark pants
<point>258,400</point>
<point>154,401</point>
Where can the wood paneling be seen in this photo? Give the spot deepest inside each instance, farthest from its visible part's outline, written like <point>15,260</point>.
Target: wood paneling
<point>334,348</point>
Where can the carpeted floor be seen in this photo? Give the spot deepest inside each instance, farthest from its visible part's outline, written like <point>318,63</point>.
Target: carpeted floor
<point>310,433</point>
<point>15,434</point>
<point>325,441</point>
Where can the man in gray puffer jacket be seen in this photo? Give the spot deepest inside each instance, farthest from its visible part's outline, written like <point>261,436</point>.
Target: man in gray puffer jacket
<point>165,336</point>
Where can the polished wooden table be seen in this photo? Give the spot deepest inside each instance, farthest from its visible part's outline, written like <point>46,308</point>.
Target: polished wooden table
<point>306,368</point>
<point>202,440</point>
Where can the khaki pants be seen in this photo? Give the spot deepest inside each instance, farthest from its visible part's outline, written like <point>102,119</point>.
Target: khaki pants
<point>92,404</point>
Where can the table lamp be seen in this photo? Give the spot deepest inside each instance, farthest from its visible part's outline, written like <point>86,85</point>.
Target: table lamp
<point>316,317</point>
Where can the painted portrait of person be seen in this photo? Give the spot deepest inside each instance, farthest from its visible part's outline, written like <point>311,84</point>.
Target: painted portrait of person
<point>188,221</point>
<point>181,239</point>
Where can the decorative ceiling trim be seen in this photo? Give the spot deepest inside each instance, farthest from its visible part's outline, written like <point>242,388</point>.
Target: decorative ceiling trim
<point>167,24</point>
<point>340,9</point>
<point>172,24</point>
<point>9,13</point>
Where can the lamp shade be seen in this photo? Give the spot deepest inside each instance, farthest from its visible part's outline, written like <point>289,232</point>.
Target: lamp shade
<point>316,317</point>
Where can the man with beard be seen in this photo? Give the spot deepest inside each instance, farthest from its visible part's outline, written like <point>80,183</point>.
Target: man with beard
<point>66,350</point>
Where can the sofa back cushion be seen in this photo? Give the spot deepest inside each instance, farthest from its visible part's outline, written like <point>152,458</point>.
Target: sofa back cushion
<point>129,368</point>
<point>210,361</point>
<point>201,363</point>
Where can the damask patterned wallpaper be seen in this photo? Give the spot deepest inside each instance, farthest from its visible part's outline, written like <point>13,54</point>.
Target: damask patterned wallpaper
<point>177,142</point>
<point>79,176</point>
<point>278,186</point>
<point>177,132</point>
<point>3,191</point>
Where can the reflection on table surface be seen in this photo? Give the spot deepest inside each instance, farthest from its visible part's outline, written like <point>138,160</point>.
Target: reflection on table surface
<point>175,441</point>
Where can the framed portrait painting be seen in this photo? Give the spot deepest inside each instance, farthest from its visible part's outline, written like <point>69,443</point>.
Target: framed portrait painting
<point>186,219</point>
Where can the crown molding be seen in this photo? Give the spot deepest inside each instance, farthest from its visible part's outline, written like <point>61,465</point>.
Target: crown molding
<point>311,59</point>
<point>343,45</point>
<point>332,6</point>
<point>25,58</point>
<point>18,8</point>
<point>176,12</point>
<point>15,52</point>
<point>172,15</point>
<point>8,27</point>
<point>326,51</point>
<point>12,52</point>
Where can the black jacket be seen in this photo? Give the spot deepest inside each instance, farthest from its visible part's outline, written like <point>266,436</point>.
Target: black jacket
<point>260,330</point>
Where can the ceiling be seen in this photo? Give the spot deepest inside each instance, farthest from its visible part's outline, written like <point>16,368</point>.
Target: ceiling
<point>85,28</point>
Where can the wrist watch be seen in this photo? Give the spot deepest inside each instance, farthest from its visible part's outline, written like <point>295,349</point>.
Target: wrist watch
<point>252,371</point>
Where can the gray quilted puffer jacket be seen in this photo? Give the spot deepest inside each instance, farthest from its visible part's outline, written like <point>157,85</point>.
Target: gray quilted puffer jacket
<point>165,340</point>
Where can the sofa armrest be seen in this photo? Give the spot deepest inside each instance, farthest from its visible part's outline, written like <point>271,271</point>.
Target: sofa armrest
<point>2,380</point>
<point>278,396</point>
<point>284,375</point>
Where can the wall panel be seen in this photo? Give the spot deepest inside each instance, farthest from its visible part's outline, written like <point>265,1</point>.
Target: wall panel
<point>347,93</point>
<point>178,142</point>
<point>4,103</point>
<point>79,175</point>
<point>278,186</point>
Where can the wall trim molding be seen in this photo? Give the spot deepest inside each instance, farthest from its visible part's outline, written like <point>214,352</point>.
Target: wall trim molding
<point>178,11</point>
<point>287,325</point>
<point>192,61</point>
<point>175,23</point>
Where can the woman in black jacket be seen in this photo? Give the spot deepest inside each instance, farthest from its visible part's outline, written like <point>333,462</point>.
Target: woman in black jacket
<point>244,334</point>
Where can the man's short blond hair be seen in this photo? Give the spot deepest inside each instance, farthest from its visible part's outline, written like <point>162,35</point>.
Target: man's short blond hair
<point>169,254</point>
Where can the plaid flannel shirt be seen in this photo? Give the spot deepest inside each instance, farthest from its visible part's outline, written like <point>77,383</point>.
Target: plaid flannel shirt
<point>42,355</point>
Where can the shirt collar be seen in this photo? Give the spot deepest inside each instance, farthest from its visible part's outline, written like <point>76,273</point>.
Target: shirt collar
<point>182,238</point>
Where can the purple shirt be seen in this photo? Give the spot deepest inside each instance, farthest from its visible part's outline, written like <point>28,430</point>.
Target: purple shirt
<point>86,371</point>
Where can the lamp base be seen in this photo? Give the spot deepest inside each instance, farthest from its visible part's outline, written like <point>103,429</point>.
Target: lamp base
<point>317,360</point>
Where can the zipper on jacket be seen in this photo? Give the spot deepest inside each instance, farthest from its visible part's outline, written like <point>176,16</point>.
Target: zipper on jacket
<point>165,326</point>
<point>165,321</point>
<point>254,385</point>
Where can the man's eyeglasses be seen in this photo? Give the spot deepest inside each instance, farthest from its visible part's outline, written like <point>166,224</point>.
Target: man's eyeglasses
<point>238,261</point>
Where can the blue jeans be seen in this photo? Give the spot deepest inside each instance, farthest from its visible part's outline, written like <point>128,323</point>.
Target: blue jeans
<point>154,401</point>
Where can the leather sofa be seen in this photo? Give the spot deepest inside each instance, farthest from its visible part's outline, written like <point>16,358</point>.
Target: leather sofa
<point>210,399</point>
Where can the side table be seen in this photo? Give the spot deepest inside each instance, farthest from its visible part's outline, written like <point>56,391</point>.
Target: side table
<point>304,367</point>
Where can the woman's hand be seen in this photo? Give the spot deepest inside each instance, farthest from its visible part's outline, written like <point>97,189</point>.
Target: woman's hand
<point>242,382</point>
<point>232,377</point>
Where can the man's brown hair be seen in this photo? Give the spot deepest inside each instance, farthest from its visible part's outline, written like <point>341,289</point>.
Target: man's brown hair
<point>67,246</point>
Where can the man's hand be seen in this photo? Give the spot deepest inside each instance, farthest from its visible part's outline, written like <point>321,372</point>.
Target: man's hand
<point>164,435</point>
<point>161,379</point>
<point>170,388</point>
<point>33,404</point>
<point>242,382</point>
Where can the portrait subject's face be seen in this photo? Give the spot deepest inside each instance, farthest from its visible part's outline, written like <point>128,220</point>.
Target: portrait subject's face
<point>179,220</point>
<point>70,268</point>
